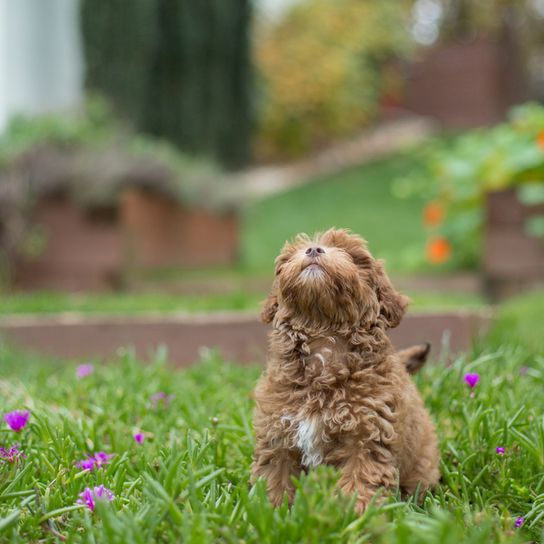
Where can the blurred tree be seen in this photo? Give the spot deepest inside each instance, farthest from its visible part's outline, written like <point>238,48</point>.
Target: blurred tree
<point>179,69</point>
<point>119,46</point>
<point>464,19</point>
<point>324,70</point>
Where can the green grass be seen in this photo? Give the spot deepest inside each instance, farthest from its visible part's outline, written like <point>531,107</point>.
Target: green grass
<point>131,303</point>
<point>189,481</point>
<point>520,321</point>
<point>359,199</point>
<point>125,303</point>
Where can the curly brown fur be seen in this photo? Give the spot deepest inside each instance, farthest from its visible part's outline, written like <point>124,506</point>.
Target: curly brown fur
<point>414,357</point>
<point>334,392</point>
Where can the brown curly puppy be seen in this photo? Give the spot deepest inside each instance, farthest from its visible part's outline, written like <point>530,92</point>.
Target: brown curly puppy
<point>334,392</point>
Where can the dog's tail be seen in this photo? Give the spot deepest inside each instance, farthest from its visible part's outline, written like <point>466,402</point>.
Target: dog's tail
<point>414,357</point>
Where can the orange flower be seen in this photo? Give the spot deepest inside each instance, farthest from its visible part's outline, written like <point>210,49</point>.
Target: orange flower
<point>433,214</point>
<point>438,250</point>
<point>540,140</point>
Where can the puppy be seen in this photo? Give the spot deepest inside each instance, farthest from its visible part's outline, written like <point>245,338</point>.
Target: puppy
<point>334,392</point>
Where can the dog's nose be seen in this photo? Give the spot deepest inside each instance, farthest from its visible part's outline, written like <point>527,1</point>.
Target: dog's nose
<point>314,251</point>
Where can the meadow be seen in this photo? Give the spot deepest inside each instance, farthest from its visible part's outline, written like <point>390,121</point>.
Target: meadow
<point>173,449</point>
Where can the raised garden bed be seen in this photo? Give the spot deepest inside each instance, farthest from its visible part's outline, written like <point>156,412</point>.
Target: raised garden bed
<point>162,233</point>
<point>238,336</point>
<point>75,219</point>
<point>513,258</point>
<point>81,250</point>
<point>466,84</point>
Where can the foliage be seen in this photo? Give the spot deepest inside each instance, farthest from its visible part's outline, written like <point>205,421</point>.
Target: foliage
<point>91,127</point>
<point>93,137</point>
<point>462,19</point>
<point>178,69</point>
<point>460,174</point>
<point>117,63</point>
<point>189,480</point>
<point>322,70</point>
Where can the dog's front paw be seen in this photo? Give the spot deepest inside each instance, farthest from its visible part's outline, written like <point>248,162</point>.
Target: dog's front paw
<point>277,497</point>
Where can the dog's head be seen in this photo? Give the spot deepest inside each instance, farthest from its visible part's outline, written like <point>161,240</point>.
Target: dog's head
<point>333,280</point>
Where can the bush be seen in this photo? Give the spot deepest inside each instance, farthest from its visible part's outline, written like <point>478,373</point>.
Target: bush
<point>321,67</point>
<point>462,172</point>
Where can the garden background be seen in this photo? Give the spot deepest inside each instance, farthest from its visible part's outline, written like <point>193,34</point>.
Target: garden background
<point>153,161</point>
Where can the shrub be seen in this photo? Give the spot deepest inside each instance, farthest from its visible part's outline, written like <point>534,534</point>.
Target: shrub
<point>321,67</point>
<point>462,172</point>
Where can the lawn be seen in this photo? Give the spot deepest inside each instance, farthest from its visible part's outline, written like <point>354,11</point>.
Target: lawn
<point>188,480</point>
<point>131,303</point>
<point>359,198</point>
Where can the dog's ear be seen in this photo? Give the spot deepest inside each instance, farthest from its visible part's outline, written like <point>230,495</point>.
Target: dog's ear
<point>392,303</point>
<point>270,306</point>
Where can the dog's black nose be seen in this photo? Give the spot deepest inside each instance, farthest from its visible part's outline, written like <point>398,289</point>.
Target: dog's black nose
<point>314,251</point>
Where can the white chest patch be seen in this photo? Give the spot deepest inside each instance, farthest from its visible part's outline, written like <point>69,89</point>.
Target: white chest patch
<point>308,444</point>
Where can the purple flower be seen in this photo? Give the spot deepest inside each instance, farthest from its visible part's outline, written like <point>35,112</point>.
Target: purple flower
<point>84,370</point>
<point>523,370</point>
<point>92,462</point>
<point>90,496</point>
<point>519,522</point>
<point>472,379</point>
<point>139,438</point>
<point>102,458</point>
<point>86,464</point>
<point>161,398</point>
<point>12,456</point>
<point>17,419</point>
<point>499,450</point>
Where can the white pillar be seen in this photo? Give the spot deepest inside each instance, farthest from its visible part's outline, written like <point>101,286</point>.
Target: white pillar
<point>41,68</point>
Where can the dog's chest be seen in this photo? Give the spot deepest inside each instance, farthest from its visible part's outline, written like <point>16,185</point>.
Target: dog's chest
<point>306,436</point>
<point>307,420</point>
<point>324,356</point>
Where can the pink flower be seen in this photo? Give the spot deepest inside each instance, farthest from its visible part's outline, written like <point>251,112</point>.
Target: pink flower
<point>519,522</point>
<point>90,496</point>
<point>84,370</point>
<point>17,419</point>
<point>161,398</point>
<point>98,460</point>
<point>472,379</point>
<point>139,438</point>
<point>499,450</point>
<point>12,456</point>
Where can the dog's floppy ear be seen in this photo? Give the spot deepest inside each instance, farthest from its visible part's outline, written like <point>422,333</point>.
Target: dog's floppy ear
<point>392,303</point>
<point>270,306</point>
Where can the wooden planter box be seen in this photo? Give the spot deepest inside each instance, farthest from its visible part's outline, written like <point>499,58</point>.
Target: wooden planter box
<point>513,259</point>
<point>85,251</point>
<point>466,84</point>
<point>81,249</point>
<point>161,233</point>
